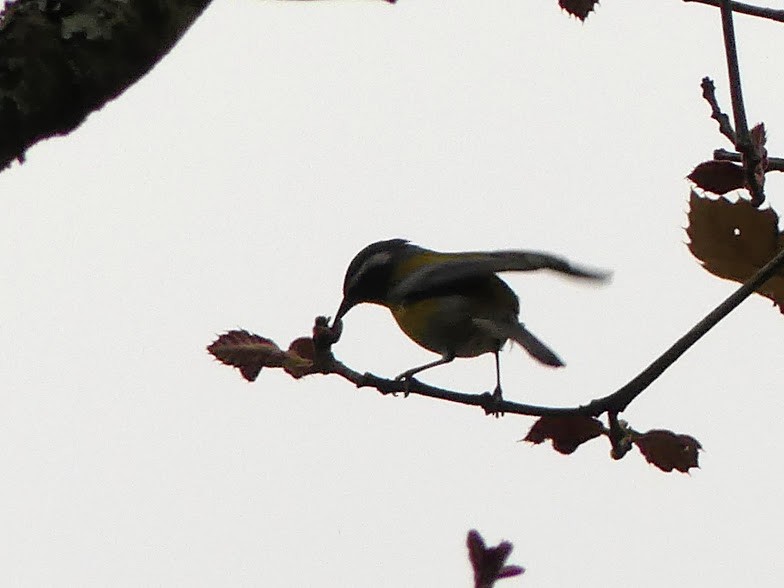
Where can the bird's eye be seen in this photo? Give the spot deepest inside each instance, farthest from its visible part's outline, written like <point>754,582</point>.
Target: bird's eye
<point>367,268</point>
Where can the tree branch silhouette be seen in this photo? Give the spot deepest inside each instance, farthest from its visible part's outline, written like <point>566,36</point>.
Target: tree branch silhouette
<point>774,163</point>
<point>60,61</point>
<point>725,126</point>
<point>747,9</point>
<point>324,362</point>
<point>743,142</point>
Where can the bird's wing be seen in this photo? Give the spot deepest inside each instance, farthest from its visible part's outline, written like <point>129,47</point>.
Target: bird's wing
<point>461,266</point>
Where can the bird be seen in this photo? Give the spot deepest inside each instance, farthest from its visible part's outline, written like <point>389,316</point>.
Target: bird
<point>452,303</point>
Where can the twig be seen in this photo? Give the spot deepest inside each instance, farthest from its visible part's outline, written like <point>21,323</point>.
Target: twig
<point>614,403</point>
<point>620,436</point>
<point>733,71</point>
<point>619,400</point>
<point>774,163</point>
<point>748,9</point>
<point>743,140</point>
<point>725,126</point>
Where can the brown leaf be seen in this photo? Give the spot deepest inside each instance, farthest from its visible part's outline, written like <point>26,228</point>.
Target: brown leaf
<point>734,240</point>
<point>566,432</point>
<point>758,140</point>
<point>579,8</point>
<point>303,347</point>
<point>247,352</point>
<point>299,357</point>
<point>488,562</point>
<point>669,451</point>
<point>718,177</point>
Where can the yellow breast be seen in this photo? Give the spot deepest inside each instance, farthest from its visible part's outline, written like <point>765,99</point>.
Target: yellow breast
<point>415,321</point>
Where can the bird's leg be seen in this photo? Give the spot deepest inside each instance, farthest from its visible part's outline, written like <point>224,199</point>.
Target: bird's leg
<point>497,394</point>
<point>408,374</point>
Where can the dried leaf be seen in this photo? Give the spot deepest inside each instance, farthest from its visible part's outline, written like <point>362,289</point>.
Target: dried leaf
<point>718,177</point>
<point>476,547</point>
<point>247,352</point>
<point>669,451</point>
<point>579,8</point>
<point>303,347</point>
<point>299,357</point>
<point>566,432</point>
<point>510,572</point>
<point>488,563</point>
<point>758,140</point>
<point>734,240</point>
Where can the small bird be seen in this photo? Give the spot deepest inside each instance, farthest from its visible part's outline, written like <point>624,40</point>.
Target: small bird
<point>453,304</point>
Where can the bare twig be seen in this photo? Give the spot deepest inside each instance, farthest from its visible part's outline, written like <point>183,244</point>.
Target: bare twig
<point>748,9</point>
<point>619,400</point>
<point>620,436</point>
<point>751,158</point>
<point>733,71</point>
<point>615,403</point>
<point>725,126</point>
<point>774,163</point>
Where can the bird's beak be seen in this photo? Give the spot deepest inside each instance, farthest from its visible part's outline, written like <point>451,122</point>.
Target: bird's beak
<point>345,306</point>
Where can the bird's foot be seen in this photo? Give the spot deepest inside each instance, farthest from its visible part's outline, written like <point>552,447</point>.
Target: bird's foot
<point>406,378</point>
<point>497,402</point>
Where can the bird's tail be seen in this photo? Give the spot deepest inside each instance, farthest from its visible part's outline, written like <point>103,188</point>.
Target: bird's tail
<point>535,347</point>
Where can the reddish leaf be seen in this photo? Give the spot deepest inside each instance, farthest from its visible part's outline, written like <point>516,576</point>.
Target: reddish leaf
<point>299,357</point>
<point>510,572</point>
<point>488,563</point>
<point>247,352</point>
<point>734,240</point>
<point>758,140</point>
<point>718,177</point>
<point>579,8</point>
<point>476,547</point>
<point>566,432</point>
<point>303,347</point>
<point>669,451</point>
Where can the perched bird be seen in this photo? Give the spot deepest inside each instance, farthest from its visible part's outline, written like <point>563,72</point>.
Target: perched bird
<point>453,304</point>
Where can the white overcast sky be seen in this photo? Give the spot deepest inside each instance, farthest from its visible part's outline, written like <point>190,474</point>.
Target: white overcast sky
<point>231,186</point>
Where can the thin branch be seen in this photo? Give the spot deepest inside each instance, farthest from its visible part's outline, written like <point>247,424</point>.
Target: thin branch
<point>743,142</point>
<point>60,61</point>
<point>725,126</point>
<point>733,70</point>
<point>748,9</point>
<point>619,400</point>
<point>324,362</point>
<point>774,163</point>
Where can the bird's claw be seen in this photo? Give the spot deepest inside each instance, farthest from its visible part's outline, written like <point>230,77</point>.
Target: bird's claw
<point>405,377</point>
<point>497,403</point>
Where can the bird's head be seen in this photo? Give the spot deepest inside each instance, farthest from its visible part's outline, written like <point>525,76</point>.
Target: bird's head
<point>370,274</point>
